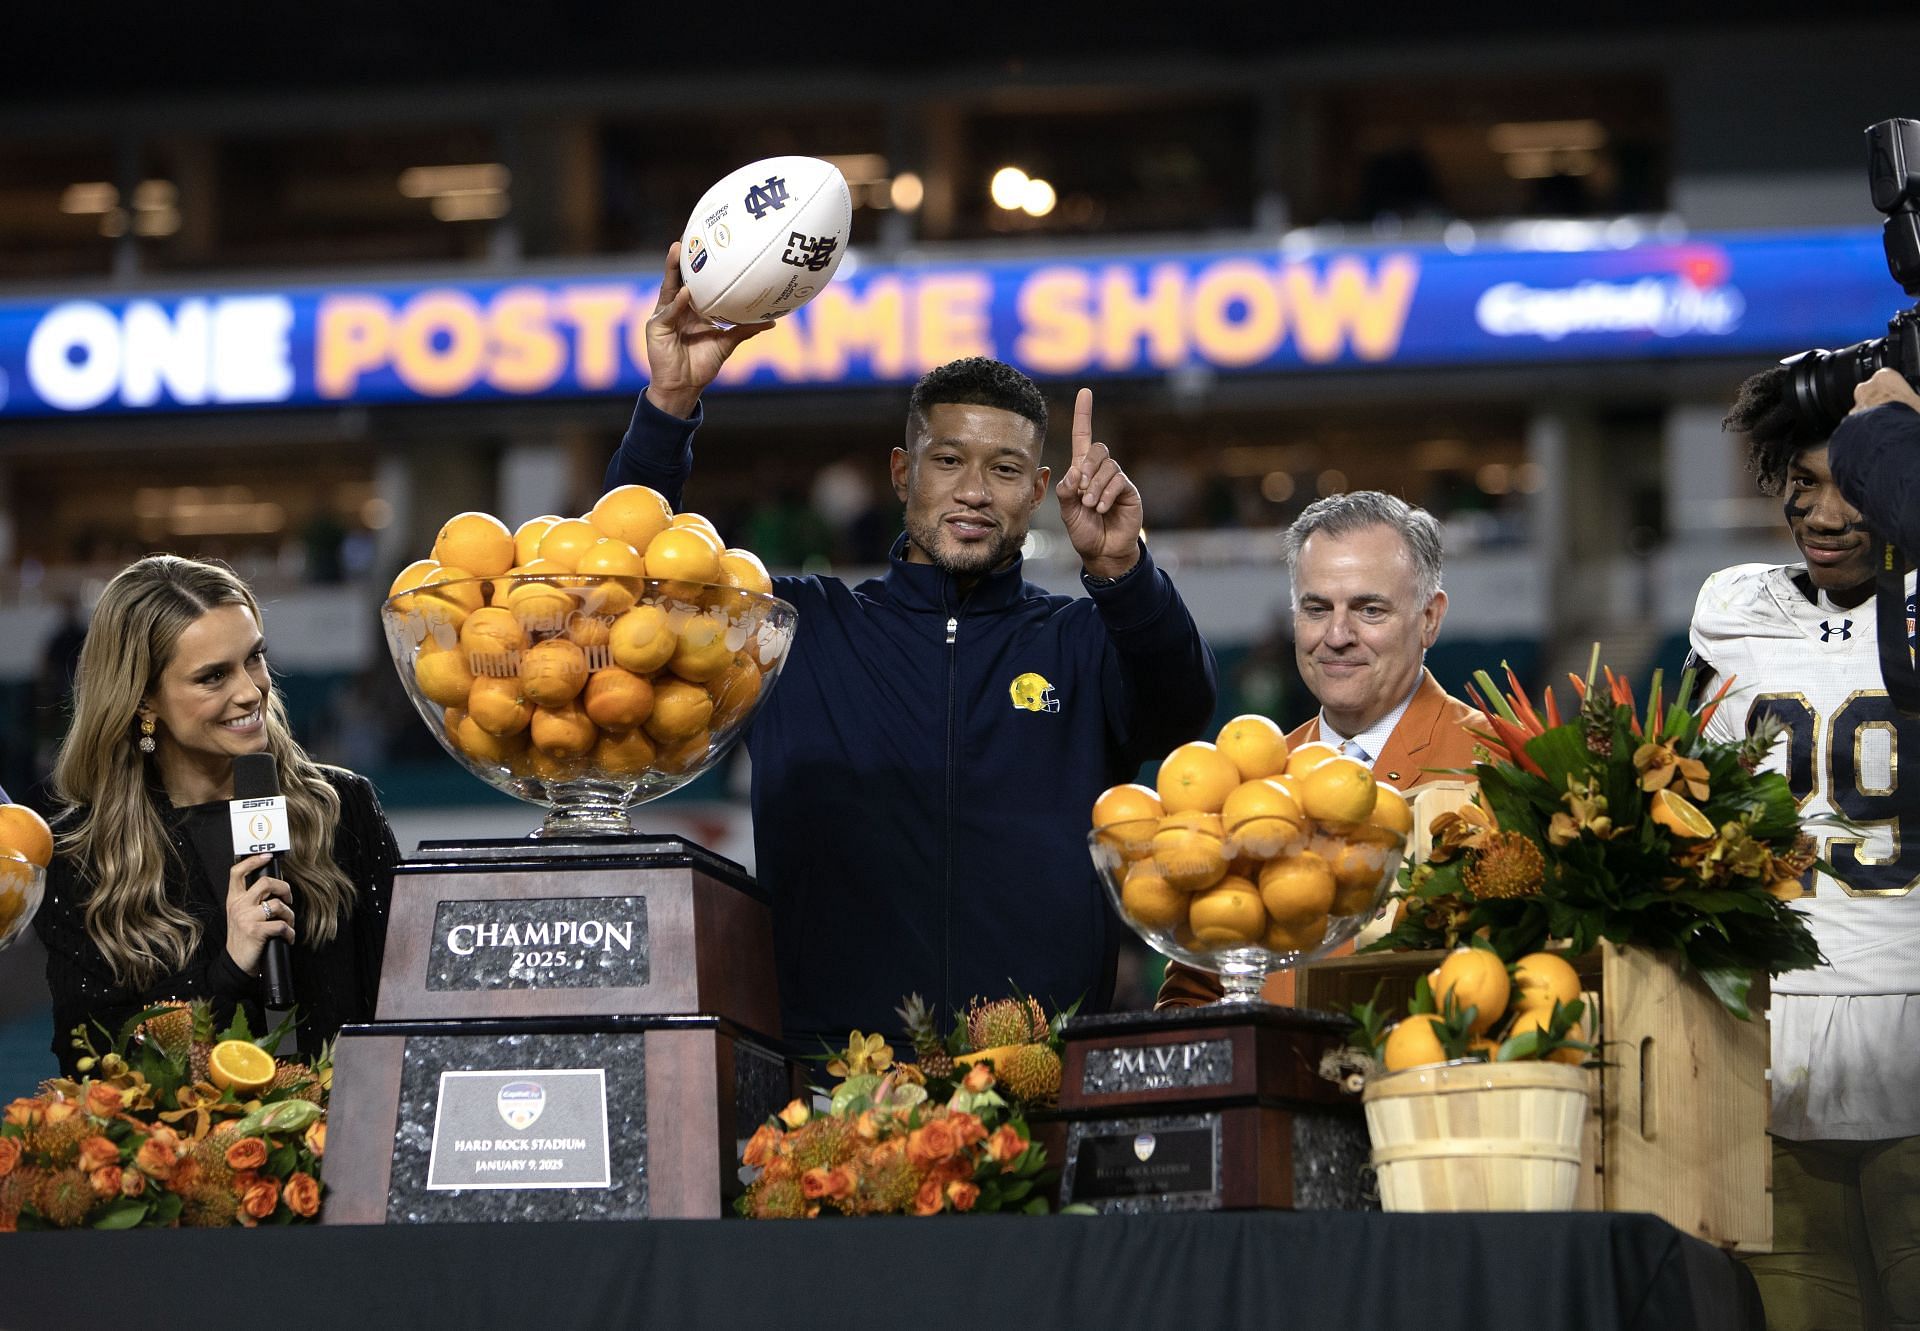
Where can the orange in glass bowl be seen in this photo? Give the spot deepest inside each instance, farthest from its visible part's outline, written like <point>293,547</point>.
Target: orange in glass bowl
<point>590,693</point>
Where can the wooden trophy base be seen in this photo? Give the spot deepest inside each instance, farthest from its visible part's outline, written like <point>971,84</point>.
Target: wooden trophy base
<point>600,926</point>
<point>1212,1108</point>
<point>568,1029</point>
<point>614,1118</point>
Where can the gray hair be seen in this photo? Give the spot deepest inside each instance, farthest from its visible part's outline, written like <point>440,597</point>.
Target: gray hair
<point>1342,514</point>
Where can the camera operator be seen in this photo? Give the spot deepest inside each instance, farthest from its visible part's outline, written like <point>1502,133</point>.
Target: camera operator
<point>1875,456</point>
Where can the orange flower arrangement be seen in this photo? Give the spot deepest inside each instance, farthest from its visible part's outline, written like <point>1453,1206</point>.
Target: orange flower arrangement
<point>1621,822</point>
<point>144,1140</point>
<point>887,1147</point>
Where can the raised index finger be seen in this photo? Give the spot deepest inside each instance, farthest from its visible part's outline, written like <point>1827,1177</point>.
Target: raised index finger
<point>1082,423</point>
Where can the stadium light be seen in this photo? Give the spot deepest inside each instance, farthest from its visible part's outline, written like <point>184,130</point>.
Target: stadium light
<point>430,182</point>
<point>89,197</point>
<point>1009,187</point>
<point>907,191</point>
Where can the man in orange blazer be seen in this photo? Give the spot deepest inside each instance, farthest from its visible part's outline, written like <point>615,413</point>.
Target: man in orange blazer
<point>1367,603</point>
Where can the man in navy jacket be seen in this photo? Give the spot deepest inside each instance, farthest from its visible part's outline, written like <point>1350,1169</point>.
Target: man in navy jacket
<point>924,772</point>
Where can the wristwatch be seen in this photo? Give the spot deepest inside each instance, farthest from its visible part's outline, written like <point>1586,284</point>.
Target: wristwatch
<point>1103,583</point>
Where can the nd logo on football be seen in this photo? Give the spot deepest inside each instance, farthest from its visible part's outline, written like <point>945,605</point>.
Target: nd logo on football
<point>1032,693</point>
<point>520,1103</point>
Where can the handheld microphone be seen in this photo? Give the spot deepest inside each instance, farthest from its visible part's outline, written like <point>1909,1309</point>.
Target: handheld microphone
<point>260,826</point>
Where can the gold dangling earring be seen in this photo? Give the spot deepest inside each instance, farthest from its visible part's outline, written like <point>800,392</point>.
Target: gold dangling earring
<point>146,734</point>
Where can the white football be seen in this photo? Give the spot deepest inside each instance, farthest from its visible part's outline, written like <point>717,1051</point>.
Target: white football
<point>766,239</point>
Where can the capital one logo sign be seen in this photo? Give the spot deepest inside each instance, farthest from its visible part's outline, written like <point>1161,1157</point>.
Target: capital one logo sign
<point>228,349</point>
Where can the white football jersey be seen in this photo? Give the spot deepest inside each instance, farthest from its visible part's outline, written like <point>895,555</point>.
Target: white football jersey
<point>1816,667</point>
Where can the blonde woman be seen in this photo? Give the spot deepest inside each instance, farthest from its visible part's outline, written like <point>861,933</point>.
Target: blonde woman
<point>144,898</point>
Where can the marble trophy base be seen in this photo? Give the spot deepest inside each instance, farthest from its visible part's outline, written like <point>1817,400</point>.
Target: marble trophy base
<point>609,1118</point>
<point>1212,1108</point>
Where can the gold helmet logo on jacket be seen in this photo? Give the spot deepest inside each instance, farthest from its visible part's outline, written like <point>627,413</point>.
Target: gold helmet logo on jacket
<point>1032,693</point>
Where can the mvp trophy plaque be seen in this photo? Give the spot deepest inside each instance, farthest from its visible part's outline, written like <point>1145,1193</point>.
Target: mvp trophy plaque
<point>582,1024</point>
<point>1238,1103</point>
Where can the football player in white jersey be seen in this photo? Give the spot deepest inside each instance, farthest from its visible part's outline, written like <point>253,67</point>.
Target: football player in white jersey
<point>1846,1036</point>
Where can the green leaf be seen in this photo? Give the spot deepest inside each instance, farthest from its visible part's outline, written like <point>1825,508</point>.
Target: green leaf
<point>123,1214</point>
<point>1422,1000</point>
<point>1495,699</point>
<point>1561,752</point>
<point>1510,804</point>
<point>122,1039</point>
<point>1407,936</point>
<point>1526,1045</point>
<point>162,1073</point>
<point>1370,1022</point>
<point>273,1039</point>
<point>1682,698</point>
<point>1730,985</point>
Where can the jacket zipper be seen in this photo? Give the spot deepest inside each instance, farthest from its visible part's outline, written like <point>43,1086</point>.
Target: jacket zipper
<point>946,903</point>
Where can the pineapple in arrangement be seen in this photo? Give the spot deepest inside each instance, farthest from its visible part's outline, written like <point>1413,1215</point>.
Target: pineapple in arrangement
<point>1013,1033</point>
<point>928,1047</point>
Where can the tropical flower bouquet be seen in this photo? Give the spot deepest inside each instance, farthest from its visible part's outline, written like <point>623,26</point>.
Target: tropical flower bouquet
<point>1620,824</point>
<point>172,1125</point>
<point>945,1134</point>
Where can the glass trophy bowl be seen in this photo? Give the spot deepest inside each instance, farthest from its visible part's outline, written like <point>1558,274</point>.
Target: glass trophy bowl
<point>1274,894</point>
<point>22,883</point>
<point>586,695</point>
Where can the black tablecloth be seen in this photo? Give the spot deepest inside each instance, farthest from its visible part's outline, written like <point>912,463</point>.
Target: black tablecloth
<point>1330,1271</point>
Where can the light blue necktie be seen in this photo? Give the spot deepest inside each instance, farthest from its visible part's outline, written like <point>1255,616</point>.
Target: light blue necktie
<point>1351,748</point>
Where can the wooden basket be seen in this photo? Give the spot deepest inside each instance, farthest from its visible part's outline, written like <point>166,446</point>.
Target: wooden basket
<point>1479,1136</point>
<point>1679,1125</point>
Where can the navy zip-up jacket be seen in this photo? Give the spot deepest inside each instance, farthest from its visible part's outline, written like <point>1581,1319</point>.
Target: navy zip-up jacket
<point>917,829</point>
<point>1875,460</point>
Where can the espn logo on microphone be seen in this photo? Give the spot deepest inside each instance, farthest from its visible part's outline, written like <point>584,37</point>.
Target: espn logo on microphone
<point>260,825</point>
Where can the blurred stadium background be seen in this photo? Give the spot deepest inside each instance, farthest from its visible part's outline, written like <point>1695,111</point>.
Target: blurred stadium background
<point>291,289</point>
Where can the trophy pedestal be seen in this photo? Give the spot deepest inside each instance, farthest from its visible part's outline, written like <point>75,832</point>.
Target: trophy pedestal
<point>565,1030</point>
<point>617,1118</point>
<point>589,927</point>
<point>1212,1108</point>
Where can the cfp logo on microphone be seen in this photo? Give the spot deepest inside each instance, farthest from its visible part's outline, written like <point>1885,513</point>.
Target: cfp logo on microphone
<point>260,825</point>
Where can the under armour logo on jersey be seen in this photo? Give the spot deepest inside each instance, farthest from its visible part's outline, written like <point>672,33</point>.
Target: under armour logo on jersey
<point>1829,630</point>
<point>772,195</point>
